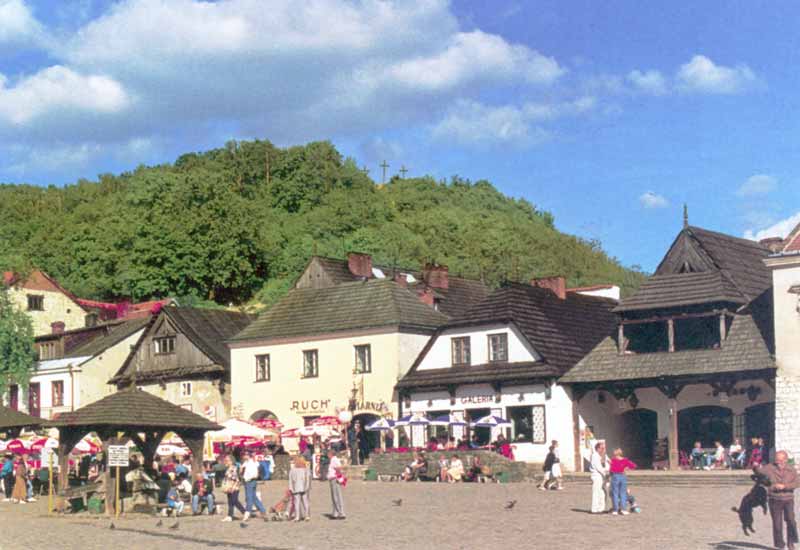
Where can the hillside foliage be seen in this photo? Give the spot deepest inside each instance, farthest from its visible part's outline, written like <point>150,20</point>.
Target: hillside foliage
<point>239,223</point>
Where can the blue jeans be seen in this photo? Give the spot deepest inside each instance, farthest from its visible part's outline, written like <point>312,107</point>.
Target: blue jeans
<point>250,497</point>
<point>619,491</point>
<point>209,499</point>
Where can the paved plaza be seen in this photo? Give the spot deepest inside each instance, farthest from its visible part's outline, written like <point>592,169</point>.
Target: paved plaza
<point>431,516</point>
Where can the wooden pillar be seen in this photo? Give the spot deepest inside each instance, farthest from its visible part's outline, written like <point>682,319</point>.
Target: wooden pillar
<point>671,334</point>
<point>194,439</point>
<point>108,439</point>
<point>722,329</point>
<point>67,439</point>
<point>674,452</point>
<point>576,436</point>
<point>148,446</point>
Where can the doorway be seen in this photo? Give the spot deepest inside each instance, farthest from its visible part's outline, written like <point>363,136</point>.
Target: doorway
<point>759,421</point>
<point>639,434</point>
<point>484,434</point>
<point>373,439</point>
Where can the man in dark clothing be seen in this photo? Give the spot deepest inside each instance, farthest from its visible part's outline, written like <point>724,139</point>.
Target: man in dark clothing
<point>7,474</point>
<point>784,481</point>
<point>202,492</point>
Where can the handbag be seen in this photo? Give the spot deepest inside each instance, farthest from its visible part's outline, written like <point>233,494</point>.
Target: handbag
<point>230,486</point>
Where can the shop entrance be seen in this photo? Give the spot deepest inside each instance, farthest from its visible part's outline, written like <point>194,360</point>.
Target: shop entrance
<point>639,433</point>
<point>704,424</point>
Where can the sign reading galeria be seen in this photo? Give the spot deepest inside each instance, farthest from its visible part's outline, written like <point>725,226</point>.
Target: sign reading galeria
<point>118,455</point>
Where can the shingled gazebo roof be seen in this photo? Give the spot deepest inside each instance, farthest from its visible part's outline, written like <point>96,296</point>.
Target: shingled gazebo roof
<point>11,419</point>
<point>134,408</point>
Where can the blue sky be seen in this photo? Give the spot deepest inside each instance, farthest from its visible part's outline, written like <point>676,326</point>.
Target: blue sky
<point>609,114</point>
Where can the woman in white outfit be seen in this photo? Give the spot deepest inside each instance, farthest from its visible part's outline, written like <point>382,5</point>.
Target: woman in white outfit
<point>599,470</point>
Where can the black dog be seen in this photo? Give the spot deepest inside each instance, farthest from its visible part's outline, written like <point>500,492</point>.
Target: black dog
<point>755,498</point>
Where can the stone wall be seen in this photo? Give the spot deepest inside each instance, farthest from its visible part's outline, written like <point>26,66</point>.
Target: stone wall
<point>787,414</point>
<point>395,463</point>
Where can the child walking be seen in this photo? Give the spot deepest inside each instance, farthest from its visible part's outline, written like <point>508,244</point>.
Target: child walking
<point>552,469</point>
<point>619,482</point>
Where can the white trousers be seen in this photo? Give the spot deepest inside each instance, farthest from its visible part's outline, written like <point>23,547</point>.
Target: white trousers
<point>598,494</point>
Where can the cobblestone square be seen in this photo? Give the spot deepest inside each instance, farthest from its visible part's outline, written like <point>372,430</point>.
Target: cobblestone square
<point>462,516</point>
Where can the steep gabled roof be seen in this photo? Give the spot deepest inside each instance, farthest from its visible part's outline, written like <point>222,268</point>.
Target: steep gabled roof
<point>117,334</point>
<point>703,267</point>
<point>348,306</point>
<point>39,280</point>
<point>208,329</point>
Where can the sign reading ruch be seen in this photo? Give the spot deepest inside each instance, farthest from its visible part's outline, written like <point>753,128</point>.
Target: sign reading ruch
<point>311,405</point>
<point>118,455</point>
<point>476,399</point>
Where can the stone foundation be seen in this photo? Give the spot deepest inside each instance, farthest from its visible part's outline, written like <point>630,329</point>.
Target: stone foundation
<point>787,414</point>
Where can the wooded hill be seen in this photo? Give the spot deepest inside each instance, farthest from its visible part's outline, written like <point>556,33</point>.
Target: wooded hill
<point>238,224</point>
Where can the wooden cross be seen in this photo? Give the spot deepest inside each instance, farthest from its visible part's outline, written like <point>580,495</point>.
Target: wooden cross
<point>384,165</point>
<point>403,172</point>
<point>365,170</point>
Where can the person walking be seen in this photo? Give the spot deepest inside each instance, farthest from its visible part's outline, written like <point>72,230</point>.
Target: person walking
<point>20,492</point>
<point>780,494</point>
<point>619,482</point>
<point>336,479</point>
<point>599,470</point>
<point>230,486</point>
<point>7,474</point>
<point>552,468</point>
<point>250,475</point>
<point>298,484</point>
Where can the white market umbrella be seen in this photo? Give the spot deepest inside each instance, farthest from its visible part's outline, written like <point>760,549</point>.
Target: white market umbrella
<point>235,428</point>
<point>491,421</point>
<point>416,419</point>
<point>381,425</point>
<point>448,420</point>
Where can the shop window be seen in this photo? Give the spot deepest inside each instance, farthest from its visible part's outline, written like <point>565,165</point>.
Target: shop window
<point>310,363</point>
<point>498,348</point>
<point>460,351</point>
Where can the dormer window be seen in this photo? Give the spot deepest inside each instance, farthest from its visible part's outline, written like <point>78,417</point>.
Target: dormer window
<point>460,351</point>
<point>498,348</point>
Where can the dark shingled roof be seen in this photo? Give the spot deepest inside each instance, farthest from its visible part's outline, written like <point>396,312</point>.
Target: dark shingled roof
<point>347,306</point>
<point>744,349</point>
<point>10,419</point>
<point>722,269</point>
<point>561,331</point>
<point>460,295</point>
<point>209,329</point>
<point>115,336</point>
<point>134,408</point>
<point>682,289</point>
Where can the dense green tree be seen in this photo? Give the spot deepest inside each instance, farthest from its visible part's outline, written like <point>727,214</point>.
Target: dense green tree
<point>17,354</point>
<point>237,224</point>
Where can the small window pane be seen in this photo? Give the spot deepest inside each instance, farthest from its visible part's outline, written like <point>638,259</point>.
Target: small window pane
<point>262,368</point>
<point>165,345</point>
<point>460,351</point>
<point>363,359</point>
<point>310,364</point>
<point>35,303</point>
<point>498,347</point>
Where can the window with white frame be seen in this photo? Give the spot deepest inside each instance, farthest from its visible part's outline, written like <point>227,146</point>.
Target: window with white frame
<point>363,359</point>
<point>460,351</point>
<point>57,389</point>
<point>186,389</point>
<point>164,345</point>
<point>262,368</point>
<point>310,363</point>
<point>498,348</point>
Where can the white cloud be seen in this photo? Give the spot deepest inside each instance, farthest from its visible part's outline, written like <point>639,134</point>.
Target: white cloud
<point>651,199</point>
<point>472,123</point>
<point>779,229</point>
<point>59,89</point>
<point>651,82</point>
<point>758,184</point>
<point>17,23</point>
<point>702,75</point>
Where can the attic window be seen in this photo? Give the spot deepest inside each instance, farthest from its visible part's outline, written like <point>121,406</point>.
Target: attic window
<point>686,268</point>
<point>35,303</point>
<point>165,345</point>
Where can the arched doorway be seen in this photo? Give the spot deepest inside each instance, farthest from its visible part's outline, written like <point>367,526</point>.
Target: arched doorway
<point>639,434</point>
<point>705,424</point>
<point>263,414</point>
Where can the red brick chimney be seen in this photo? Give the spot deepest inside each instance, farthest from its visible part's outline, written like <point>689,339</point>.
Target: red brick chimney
<point>558,285</point>
<point>57,327</point>
<point>359,264</point>
<point>775,244</point>
<point>426,296</point>
<point>436,276</point>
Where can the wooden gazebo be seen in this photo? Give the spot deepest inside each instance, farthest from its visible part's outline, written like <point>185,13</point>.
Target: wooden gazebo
<point>131,413</point>
<point>12,421</point>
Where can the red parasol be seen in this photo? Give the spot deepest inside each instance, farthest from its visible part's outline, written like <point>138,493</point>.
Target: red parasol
<point>269,424</point>
<point>331,421</point>
<point>17,446</point>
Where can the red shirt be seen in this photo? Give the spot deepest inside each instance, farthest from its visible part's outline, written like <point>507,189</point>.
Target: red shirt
<point>618,465</point>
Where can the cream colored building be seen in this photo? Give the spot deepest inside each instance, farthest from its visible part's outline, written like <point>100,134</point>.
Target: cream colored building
<point>45,302</point>
<point>322,350</point>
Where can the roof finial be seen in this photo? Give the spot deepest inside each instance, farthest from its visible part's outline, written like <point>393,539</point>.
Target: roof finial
<point>685,215</point>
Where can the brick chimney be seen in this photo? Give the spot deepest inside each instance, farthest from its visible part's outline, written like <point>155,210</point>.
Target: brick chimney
<point>775,244</point>
<point>359,264</point>
<point>57,327</point>
<point>558,285</point>
<point>436,276</point>
<point>426,296</point>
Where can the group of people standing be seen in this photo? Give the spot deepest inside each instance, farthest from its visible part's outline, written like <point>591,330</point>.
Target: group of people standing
<point>610,474</point>
<point>14,476</point>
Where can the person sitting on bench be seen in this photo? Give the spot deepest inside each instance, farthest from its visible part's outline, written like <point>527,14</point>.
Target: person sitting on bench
<point>417,469</point>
